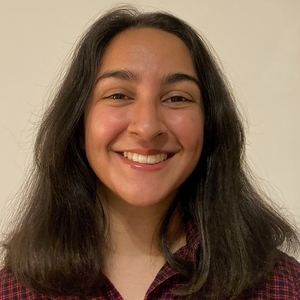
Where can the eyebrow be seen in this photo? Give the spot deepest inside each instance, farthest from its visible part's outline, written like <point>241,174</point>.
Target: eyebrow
<point>129,76</point>
<point>178,77</point>
<point>119,74</point>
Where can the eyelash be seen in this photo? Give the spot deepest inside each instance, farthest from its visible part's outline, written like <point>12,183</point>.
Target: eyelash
<point>120,96</point>
<point>117,96</point>
<point>182,99</point>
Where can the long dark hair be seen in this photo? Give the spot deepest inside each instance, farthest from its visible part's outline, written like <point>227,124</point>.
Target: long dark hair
<point>59,244</point>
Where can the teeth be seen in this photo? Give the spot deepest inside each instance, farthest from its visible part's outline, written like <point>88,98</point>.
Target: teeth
<point>135,157</point>
<point>145,159</point>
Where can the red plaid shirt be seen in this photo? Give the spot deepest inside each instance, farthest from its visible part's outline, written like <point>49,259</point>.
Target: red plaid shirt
<point>282,284</point>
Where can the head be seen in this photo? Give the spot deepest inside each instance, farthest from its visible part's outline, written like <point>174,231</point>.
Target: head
<point>217,195</point>
<point>60,145</point>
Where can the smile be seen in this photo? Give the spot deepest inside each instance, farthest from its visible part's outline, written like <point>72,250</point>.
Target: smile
<point>146,159</point>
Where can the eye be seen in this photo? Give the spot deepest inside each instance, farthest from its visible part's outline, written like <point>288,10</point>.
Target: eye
<point>117,96</point>
<point>176,99</point>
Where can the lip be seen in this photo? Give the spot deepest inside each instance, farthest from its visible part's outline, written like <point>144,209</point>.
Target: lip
<point>148,151</point>
<point>146,167</point>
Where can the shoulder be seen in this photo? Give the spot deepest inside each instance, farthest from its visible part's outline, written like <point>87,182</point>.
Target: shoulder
<point>10,288</point>
<point>288,265</point>
<point>282,283</point>
<point>286,272</point>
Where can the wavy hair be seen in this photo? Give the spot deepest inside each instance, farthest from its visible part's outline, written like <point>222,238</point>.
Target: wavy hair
<point>59,244</point>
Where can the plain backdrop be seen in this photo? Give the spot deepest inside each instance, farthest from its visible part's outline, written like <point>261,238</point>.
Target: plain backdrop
<point>258,45</point>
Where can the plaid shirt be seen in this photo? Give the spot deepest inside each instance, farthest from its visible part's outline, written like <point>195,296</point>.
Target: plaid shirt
<point>282,284</point>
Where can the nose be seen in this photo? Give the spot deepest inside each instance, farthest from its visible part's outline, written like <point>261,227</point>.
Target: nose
<point>147,120</point>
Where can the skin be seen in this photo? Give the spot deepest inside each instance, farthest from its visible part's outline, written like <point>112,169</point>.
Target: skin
<point>138,105</point>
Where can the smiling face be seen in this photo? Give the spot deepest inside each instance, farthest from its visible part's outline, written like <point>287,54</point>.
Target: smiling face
<point>144,122</point>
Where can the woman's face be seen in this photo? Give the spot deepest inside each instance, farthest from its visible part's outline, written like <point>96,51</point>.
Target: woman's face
<point>144,122</point>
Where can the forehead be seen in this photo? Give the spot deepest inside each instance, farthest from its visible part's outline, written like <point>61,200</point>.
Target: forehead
<point>147,50</point>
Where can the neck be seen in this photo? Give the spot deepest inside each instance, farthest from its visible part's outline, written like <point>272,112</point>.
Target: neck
<point>135,230</point>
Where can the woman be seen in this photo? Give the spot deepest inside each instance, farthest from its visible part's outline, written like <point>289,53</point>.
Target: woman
<point>140,189</point>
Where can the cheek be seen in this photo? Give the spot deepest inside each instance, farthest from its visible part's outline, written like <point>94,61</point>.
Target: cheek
<point>188,128</point>
<point>102,126</point>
